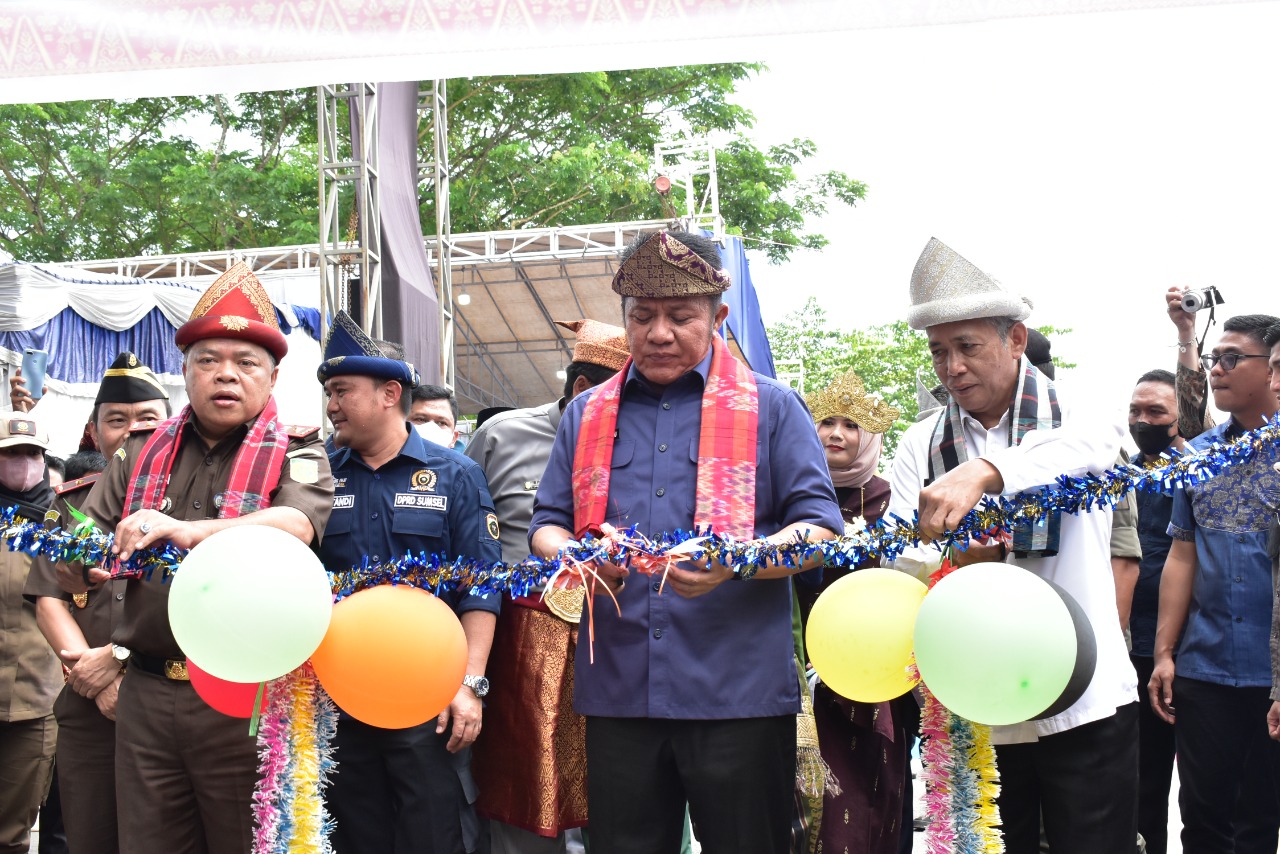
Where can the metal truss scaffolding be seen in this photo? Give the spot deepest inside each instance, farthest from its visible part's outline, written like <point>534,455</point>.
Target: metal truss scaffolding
<point>349,171</point>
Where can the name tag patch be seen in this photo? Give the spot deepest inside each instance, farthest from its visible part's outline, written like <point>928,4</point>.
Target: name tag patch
<point>344,502</point>
<point>424,502</point>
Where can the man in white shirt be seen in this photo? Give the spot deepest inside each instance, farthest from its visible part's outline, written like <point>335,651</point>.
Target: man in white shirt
<point>1003,432</point>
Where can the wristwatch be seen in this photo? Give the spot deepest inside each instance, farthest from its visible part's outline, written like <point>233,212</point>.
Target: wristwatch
<point>479,685</point>
<point>120,654</point>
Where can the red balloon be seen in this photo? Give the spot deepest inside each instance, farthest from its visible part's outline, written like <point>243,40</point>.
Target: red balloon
<point>231,698</point>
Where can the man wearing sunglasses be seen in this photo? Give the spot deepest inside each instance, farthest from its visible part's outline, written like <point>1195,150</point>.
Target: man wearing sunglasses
<point>1216,594</point>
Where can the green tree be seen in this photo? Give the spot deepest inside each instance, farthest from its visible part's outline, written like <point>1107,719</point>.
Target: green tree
<point>103,178</point>
<point>888,357</point>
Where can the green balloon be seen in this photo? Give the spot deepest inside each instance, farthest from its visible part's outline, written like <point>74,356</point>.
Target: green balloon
<point>250,604</point>
<point>995,643</point>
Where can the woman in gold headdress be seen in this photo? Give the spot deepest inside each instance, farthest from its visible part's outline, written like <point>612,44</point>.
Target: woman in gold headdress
<point>864,744</point>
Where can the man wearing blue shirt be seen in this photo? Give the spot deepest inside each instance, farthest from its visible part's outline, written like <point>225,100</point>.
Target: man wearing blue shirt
<point>397,790</point>
<point>1216,593</point>
<point>692,696</point>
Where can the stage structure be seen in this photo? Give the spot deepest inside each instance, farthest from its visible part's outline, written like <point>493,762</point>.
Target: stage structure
<point>499,292</point>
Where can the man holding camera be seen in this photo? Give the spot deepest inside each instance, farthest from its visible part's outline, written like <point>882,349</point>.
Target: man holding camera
<point>1216,594</point>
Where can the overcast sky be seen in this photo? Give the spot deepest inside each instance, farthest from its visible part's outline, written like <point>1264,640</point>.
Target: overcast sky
<point>1089,161</point>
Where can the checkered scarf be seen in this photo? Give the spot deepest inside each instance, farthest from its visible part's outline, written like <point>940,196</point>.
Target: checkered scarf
<point>726,492</point>
<point>948,450</point>
<point>255,472</point>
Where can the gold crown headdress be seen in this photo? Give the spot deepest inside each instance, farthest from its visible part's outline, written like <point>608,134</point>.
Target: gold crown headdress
<point>847,397</point>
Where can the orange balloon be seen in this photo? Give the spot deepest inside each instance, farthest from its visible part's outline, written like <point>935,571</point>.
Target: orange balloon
<point>393,657</point>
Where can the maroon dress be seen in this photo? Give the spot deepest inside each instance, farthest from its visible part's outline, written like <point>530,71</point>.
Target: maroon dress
<point>865,744</point>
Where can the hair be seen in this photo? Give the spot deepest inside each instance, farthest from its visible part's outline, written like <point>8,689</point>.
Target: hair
<point>593,373</point>
<point>426,391</point>
<point>57,464</point>
<point>1002,326</point>
<point>1272,336</point>
<point>1253,325</point>
<point>84,462</point>
<point>392,350</point>
<point>704,247</point>
<point>1158,375</point>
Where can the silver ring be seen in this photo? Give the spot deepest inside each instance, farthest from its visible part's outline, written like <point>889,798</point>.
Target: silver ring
<point>145,527</point>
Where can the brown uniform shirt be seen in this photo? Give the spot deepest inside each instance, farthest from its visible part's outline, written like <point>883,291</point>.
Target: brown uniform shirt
<point>95,612</point>
<point>196,482</point>
<point>30,673</point>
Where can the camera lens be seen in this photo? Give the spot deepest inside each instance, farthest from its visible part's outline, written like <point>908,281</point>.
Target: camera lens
<point>1193,301</point>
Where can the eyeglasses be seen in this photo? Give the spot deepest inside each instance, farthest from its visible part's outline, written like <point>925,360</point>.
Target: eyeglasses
<point>1228,360</point>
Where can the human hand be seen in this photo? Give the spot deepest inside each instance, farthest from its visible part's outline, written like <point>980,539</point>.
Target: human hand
<point>92,670</point>
<point>691,583</point>
<point>467,713</point>
<point>1160,689</point>
<point>945,502</point>
<point>146,528</point>
<point>1273,721</point>
<point>977,553</point>
<point>20,399</point>
<point>1184,320</point>
<point>74,577</point>
<point>106,699</point>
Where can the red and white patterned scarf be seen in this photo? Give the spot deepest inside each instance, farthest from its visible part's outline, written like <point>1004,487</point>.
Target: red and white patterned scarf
<point>255,472</point>
<point>726,492</point>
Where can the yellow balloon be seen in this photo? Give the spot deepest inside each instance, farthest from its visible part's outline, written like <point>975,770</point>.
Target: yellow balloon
<point>860,631</point>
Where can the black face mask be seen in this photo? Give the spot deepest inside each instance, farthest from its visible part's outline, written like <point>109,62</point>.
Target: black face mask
<point>1152,439</point>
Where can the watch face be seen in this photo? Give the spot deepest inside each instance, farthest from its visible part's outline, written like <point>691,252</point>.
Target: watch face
<point>478,684</point>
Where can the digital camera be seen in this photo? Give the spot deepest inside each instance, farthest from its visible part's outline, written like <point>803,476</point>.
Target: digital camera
<point>1195,300</point>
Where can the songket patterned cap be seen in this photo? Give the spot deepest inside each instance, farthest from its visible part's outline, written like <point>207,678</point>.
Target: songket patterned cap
<point>946,288</point>
<point>129,381</point>
<point>235,306</point>
<point>349,351</point>
<point>599,343</point>
<point>847,397</point>
<point>664,267</point>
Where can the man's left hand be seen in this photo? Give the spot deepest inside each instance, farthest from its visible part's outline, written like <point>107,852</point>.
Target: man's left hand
<point>91,671</point>
<point>945,502</point>
<point>1273,721</point>
<point>697,582</point>
<point>146,528</point>
<point>106,699</point>
<point>467,712</point>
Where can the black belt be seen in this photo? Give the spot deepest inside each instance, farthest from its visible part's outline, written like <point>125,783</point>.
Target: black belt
<point>174,669</point>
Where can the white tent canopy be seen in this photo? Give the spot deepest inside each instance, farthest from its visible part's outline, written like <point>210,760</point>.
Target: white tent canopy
<point>78,49</point>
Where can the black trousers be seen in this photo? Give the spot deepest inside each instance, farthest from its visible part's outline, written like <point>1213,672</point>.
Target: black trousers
<point>395,791</point>
<point>1156,749</point>
<point>737,776</point>
<point>1228,769</point>
<point>1084,782</point>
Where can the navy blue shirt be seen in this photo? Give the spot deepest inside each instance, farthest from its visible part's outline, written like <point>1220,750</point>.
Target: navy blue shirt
<point>1227,636</point>
<point>428,499</point>
<point>729,653</point>
<point>1154,510</point>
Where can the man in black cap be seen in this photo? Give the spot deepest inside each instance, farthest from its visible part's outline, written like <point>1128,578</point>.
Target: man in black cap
<point>79,626</point>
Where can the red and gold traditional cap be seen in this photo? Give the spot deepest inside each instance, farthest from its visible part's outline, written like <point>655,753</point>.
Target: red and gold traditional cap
<point>664,267</point>
<point>235,306</point>
<point>599,343</point>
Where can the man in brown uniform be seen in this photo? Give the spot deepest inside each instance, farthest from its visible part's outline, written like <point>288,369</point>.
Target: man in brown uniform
<point>78,627</point>
<point>187,772</point>
<point>29,673</point>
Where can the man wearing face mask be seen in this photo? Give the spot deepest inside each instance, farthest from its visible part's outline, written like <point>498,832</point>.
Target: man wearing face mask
<point>395,492</point>
<point>29,673</point>
<point>1153,424</point>
<point>1216,595</point>
<point>434,414</point>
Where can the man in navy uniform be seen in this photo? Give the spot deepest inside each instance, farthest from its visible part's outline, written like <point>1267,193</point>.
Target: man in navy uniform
<point>397,790</point>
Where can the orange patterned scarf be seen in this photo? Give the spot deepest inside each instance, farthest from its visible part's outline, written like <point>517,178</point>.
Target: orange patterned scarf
<point>726,493</point>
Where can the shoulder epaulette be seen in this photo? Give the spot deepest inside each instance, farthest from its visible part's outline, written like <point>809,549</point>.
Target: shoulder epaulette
<point>143,426</point>
<point>295,431</point>
<point>79,483</point>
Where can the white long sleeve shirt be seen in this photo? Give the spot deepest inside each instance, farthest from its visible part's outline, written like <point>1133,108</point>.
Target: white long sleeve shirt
<point>1086,442</point>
